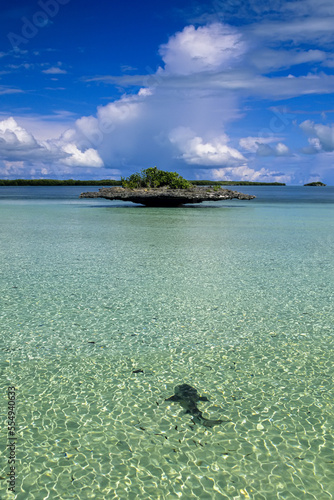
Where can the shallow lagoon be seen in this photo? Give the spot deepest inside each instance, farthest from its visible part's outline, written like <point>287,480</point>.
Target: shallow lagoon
<point>234,298</point>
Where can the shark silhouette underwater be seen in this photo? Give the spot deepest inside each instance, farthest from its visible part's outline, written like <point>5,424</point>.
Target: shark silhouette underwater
<point>188,396</point>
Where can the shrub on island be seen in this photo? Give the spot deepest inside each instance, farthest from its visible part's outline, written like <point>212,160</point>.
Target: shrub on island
<point>155,178</point>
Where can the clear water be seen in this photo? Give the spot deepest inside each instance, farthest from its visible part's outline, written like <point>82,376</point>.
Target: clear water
<point>234,298</point>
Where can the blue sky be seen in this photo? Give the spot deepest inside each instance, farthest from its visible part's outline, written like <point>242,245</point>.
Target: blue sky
<point>221,89</point>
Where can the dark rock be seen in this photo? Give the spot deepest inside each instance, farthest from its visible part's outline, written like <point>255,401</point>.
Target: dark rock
<point>165,197</point>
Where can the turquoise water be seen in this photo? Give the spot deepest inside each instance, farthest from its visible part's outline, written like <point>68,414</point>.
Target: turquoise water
<point>234,298</point>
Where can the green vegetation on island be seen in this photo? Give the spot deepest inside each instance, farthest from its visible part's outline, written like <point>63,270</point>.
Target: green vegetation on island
<point>155,178</point>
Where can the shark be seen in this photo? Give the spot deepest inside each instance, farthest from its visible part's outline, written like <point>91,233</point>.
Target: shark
<point>188,396</point>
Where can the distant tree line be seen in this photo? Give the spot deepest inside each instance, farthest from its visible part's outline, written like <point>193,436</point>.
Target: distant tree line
<point>149,178</point>
<point>236,183</point>
<point>56,182</point>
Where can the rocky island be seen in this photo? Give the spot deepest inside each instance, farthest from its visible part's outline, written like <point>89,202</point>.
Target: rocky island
<point>157,188</point>
<point>166,197</point>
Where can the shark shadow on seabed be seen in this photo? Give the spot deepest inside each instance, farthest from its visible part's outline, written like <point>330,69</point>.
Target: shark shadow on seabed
<point>188,396</point>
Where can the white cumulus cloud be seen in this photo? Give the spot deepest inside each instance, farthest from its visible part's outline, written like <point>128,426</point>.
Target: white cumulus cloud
<point>279,149</point>
<point>206,48</point>
<point>78,158</point>
<point>322,136</point>
<point>12,135</point>
<point>261,146</point>
<point>194,150</point>
<point>17,144</point>
<point>251,144</point>
<point>244,173</point>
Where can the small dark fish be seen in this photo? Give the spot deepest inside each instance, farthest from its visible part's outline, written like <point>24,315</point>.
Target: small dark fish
<point>188,396</point>
<point>137,371</point>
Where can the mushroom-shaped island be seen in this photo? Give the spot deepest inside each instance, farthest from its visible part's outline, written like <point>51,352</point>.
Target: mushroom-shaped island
<point>157,188</point>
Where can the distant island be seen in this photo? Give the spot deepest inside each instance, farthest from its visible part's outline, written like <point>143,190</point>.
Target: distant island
<point>318,183</point>
<point>158,188</point>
